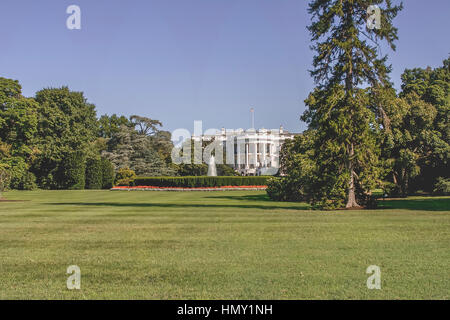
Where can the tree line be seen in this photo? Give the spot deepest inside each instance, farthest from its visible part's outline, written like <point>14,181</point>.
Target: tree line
<point>54,140</point>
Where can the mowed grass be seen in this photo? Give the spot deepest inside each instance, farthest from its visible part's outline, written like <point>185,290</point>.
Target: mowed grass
<point>218,245</point>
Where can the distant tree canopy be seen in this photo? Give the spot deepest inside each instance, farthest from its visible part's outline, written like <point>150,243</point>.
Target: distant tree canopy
<point>139,151</point>
<point>66,126</point>
<point>110,125</point>
<point>18,129</point>
<point>421,129</point>
<point>55,141</point>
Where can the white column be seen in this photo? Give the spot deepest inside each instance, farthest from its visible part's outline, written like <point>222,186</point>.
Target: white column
<point>238,154</point>
<point>264,146</point>
<point>255,148</point>
<point>246,155</point>
<point>271,153</point>
<point>241,150</point>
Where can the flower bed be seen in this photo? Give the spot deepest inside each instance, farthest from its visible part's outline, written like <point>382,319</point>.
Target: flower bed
<point>155,188</point>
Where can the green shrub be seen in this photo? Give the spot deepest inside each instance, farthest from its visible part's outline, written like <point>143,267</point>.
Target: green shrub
<point>200,181</point>
<point>73,171</point>
<point>108,174</point>
<point>225,170</point>
<point>5,177</point>
<point>192,169</point>
<point>93,174</point>
<point>20,177</point>
<point>442,186</point>
<point>391,189</point>
<point>125,177</point>
<point>276,189</point>
<point>28,182</point>
<point>283,189</point>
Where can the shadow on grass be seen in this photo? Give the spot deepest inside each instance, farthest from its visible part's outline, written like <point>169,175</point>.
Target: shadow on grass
<point>180,205</point>
<point>250,197</point>
<point>263,202</point>
<point>425,204</point>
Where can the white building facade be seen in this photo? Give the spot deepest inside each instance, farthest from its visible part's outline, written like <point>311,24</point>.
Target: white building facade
<point>249,152</point>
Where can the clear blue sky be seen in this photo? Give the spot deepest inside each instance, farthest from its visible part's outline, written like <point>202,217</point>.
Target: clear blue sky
<point>185,60</point>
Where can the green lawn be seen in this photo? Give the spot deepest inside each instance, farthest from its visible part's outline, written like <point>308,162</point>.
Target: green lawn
<point>218,245</point>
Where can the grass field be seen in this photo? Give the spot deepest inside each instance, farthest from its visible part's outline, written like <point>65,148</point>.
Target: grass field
<point>218,245</point>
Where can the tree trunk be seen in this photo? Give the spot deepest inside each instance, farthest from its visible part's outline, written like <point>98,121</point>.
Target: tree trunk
<point>405,185</point>
<point>351,202</point>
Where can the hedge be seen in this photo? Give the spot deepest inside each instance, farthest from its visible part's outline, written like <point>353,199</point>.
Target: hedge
<point>200,181</point>
<point>93,174</point>
<point>72,171</point>
<point>108,174</point>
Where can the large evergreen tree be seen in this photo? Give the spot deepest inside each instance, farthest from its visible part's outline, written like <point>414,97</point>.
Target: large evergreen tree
<point>346,67</point>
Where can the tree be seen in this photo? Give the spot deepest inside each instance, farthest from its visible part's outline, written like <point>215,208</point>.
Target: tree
<point>442,187</point>
<point>162,143</point>
<point>18,118</point>
<point>345,67</point>
<point>297,169</point>
<point>145,160</point>
<point>94,174</point>
<point>18,121</point>
<point>120,148</point>
<point>410,138</point>
<point>432,86</point>
<point>110,125</point>
<point>72,171</point>
<point>108,174</point>
<point>145,126</point>
<point>4,178</point>
<point>66,122</point>
<point>133,149</point>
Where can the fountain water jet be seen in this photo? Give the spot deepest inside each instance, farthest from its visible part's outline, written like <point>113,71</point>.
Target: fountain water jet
<point>212,170</point>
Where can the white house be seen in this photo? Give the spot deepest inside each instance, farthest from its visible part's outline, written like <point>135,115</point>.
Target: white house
<point>254,152</point>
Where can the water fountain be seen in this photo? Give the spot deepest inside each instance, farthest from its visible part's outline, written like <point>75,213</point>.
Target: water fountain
<point>212,170</point>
